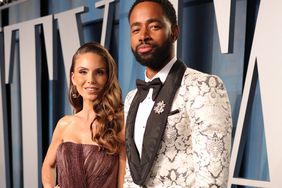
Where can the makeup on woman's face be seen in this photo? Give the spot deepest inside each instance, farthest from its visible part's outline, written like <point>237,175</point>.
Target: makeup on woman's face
<point>90,75</point>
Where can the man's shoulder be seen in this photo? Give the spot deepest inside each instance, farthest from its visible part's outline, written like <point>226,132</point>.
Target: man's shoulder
<point>193,73</point>
<point>130,95</point>
<point>128,99</point>
<point>194,76</point>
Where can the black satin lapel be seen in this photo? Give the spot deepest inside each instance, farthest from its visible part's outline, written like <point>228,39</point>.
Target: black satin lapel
<point>156,123</point>
<point>133,156</point>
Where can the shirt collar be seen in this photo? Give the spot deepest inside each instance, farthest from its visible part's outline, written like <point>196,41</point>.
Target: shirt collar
<point>162,74</point>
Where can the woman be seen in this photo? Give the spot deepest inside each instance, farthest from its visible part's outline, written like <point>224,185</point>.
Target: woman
<point>87,148</point>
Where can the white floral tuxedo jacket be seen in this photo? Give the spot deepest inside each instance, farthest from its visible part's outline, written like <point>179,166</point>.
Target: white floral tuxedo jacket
<point>195,148</point>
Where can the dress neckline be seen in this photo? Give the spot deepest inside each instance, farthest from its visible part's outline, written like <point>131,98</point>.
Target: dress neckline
<point>79,144</point>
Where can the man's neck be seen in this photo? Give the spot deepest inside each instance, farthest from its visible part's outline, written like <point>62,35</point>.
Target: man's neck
<point>150,73</point>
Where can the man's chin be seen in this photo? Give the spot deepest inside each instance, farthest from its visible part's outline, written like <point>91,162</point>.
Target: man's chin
<point>144,59</point>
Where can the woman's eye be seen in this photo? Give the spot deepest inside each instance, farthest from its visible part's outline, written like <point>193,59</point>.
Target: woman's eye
<point>82,72</point>
<point>100,72</point>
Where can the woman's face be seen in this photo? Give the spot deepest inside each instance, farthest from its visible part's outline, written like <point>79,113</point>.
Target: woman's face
<point>90,75</point>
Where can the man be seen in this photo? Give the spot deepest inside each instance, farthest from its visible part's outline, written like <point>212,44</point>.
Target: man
<point>178,124</point>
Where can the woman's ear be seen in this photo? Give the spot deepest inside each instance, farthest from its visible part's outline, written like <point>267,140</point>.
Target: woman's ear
<point>72,79</point>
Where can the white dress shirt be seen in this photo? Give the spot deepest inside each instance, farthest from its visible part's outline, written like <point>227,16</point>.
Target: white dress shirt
<point>145,107</point>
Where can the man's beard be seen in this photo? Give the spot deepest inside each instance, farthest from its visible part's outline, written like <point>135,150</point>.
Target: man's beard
<point>158,58</point>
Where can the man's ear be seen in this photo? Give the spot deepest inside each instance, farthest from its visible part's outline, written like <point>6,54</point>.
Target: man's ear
<point>175,31</point>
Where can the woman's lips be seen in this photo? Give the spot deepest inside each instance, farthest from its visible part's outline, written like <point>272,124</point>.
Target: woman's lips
<point>91,89</point>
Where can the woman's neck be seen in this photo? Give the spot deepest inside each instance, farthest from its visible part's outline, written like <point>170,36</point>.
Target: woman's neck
<point>88,111</point>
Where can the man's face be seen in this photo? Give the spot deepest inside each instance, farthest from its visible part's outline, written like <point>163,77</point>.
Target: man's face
<point>151,36</point>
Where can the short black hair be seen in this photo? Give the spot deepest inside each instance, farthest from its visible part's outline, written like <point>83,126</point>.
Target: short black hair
<point>167,7</point>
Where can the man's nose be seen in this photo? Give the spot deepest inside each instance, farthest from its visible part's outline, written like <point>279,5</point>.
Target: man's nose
<point>144,34</point>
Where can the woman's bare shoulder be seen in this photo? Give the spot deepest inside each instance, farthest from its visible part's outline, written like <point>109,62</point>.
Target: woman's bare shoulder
<point>65,121</point>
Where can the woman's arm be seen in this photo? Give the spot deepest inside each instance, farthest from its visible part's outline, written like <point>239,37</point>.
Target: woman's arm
<point>121,172</point>
<point>122,159</point>
<point>49,164</point>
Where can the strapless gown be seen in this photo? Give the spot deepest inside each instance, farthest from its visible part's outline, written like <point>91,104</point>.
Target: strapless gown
<point>84,166</point>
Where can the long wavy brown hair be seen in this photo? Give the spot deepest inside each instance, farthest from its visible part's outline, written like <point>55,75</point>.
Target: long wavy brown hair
<point>108,104</point>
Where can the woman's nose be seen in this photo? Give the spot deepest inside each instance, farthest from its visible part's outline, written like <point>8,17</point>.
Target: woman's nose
<point>91,78</point>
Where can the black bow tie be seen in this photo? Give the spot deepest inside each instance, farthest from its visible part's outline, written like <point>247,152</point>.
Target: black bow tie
<point>143,88</point>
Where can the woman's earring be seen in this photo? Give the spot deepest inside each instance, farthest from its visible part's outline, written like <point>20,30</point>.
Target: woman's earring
<point>74,92</point>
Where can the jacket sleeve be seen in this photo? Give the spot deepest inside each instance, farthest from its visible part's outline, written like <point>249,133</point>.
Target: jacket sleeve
<point>211,124</point>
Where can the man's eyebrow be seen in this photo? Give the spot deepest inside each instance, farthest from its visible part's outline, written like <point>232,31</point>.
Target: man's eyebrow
<point>147,21</point>
<point>154,20</point>
<point>135,24</point>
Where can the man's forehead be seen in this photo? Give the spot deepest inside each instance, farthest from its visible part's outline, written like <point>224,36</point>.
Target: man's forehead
<point>146,11</point>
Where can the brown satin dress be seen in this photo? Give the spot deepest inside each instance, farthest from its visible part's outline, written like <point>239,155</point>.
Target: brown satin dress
<point>84,166</point>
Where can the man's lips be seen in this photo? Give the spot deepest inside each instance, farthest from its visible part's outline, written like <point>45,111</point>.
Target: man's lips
<point>144,48</point>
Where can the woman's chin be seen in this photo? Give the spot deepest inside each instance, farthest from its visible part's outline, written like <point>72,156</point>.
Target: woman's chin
<point>92,97</point>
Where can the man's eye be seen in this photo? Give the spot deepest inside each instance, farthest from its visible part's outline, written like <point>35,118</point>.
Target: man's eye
<point>135,30</point>
<point>155,27</point>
